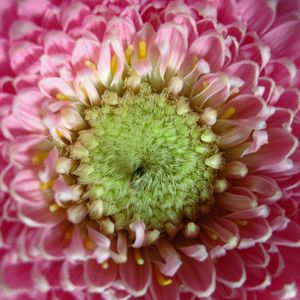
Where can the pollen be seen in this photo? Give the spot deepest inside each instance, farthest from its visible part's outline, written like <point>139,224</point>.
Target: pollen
<point>142,49</point>
<point>128,53</point>
<point>161,279</point>
<point>114,65</point>
<point>228,113</point>
<point>90,65</point>
<point>46,185</point>
<point>54,207</point>
<point>61,97</point>
<point>138,257</point>
<point>39,158</point>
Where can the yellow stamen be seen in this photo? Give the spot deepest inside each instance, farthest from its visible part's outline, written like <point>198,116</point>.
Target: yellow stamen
<point>61,96</point>
<point>161,279</point>
<point>128,53</point>
<point>138,257</point>
<point>228,113</point>
<point>68,234</point>
<point>105,265</point>
<point>114,65</point>
<point>38,158</point>
<point>142,49</point>
<point>46,185</point>
<point>195,60</point>
<point>59,133</point>
<point>241,222</point>
<point>89,244</point>
<point>205,84</point>
<point>89,64</point>
<point>54,207</point>
<point>211,234</point>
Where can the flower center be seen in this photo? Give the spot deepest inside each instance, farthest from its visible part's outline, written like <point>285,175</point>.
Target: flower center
<point>145,158</point>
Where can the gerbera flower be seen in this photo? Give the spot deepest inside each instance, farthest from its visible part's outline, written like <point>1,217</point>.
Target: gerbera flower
<point>149,149</point>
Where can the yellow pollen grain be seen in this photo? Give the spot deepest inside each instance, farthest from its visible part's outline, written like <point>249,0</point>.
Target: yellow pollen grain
<point>205,84</point>
<point>230,111</point>
<point>89,244</point>
<point>128,53</point>
<point>114,65</point>
<point>38,158</point>
<point>59,133</point>
<point>89,64</point>
<point>161,279</point>
<point>68,234</point>
<point>138,257</point>
<point>211,234</point>
<point>241,222</point>
<point>105,265</point>
<point>46,185</point>
<point>54,207</point>
<point>61,97</point>
<point>195,60</point>
<point>142,49</point>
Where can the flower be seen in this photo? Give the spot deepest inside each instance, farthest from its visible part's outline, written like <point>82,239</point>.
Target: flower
<point>149,149</point>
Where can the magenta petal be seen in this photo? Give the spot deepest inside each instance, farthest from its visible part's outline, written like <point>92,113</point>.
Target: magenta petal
<point>200,283</point>
<point>283,40</point>
<point>97,277</point>
<point>136,277</point>
<point>168,292</point>
<point>230,269</point>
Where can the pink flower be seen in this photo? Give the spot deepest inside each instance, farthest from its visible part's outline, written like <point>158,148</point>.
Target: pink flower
<point>149,149</point>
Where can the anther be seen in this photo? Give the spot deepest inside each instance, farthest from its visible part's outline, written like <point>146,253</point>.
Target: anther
<point>114,65</point>
<point>220,185</point>
<point>229,112</point>
<point>54,207</point>
<point>105,265</point>
<point>61,97</point>
<point>89,244</point>
<point>209,116</point>
<point>214,161</point>
<point>128,53</point>
<point>39,158</point>
<point>161,279</point>
<point>65,165</point>
<point>138,257</point>
<point>107,226</point>
<point>46,185</point>
<point>89,64</point>
<point>142,49</point>
<point>191,230</point>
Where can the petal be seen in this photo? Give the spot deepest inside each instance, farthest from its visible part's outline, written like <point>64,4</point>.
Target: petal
<point>136,277</point>
<point>192,276</point>
<point>97,277</point>
<point>232,277</point>
<point>168,292</point>
<point>283,40</point>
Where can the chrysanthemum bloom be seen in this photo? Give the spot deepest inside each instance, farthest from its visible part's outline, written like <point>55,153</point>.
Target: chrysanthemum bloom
<point>149,149</point>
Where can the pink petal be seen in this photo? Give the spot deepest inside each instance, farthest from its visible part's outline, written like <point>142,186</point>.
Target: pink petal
<point>192,276</point>
<point>168,292</point>
<point>139,228</point>
<point>97,277</point>
<point>231,277</point>
<point>283,40</point>
<point>258,15</point>
<point>58,42</point>
<point>136,278</point>
<point>24,57</point>
<point>248,71</point>
<point>255,256</point>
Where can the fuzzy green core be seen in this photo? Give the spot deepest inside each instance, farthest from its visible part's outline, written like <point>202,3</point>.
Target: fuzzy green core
<point>144,161</point>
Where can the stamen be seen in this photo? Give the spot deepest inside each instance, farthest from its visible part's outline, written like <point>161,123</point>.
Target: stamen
<point>230,111</point>
<point>68,234</point>
<point>107,226</point>
<point>46,185</point>
<point>161,279</point>
<point>191,230</point>
<point>241,222</point>
<point>142,49</point>
<point>138,257</point>
<point>89,244</point>
<point>105,265</point>
<point>128,53</point>
<point>210,234</point>
<point>114,65</point>
<point>39,158</point>
<point>195,60</point>
<point>61,97</point>
<point>220,185</point>
<point>205,84</point>
<point>89,64</point>
<point>54,207</point>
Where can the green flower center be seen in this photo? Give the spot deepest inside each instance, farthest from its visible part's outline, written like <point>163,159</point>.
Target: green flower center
<point>144,161</point>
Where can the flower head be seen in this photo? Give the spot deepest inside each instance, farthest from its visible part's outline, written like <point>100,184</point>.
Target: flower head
<point>149,149</point>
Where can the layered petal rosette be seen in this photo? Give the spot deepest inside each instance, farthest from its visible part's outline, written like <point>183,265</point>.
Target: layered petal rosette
<point>149,149</point>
